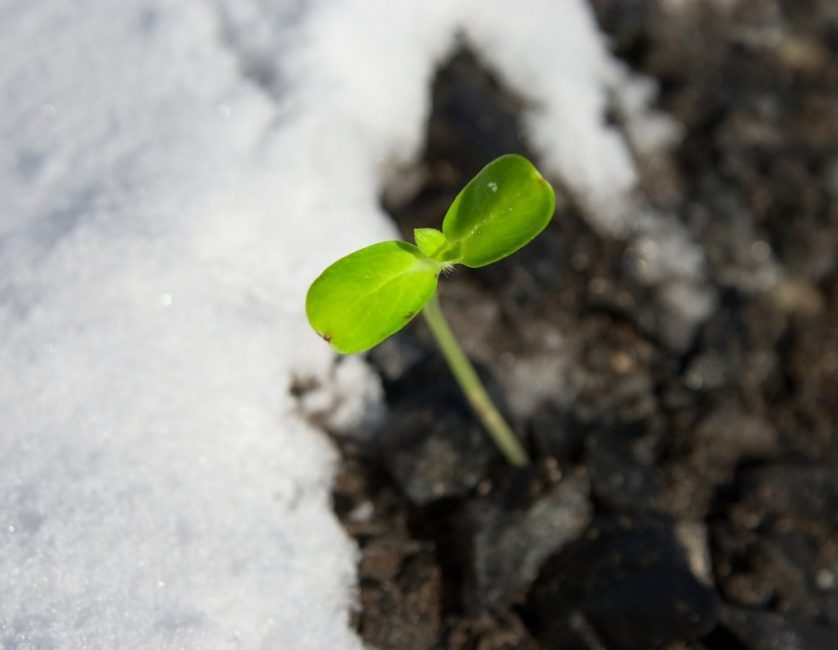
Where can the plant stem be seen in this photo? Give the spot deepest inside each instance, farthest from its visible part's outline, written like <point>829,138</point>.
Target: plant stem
<point>473,388</point>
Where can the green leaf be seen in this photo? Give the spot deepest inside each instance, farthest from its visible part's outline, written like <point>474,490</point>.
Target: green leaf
<point>429,240</point>
<point>503,208</point>
<point>370,294</point>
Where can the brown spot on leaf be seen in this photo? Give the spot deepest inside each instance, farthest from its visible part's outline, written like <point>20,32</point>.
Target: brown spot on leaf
<point>327,337</point>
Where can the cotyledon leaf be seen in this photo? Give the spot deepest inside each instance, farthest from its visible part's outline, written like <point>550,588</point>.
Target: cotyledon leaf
<point>370,294</point>
<point>500,210</point>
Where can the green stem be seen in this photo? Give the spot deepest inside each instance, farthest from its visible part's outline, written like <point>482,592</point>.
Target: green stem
<point>472,386</point>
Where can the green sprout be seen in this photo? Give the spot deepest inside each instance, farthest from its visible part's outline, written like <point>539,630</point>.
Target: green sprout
<point>371,294</point>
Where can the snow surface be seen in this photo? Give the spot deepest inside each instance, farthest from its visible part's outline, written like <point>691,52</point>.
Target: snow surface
<point>173,175</point>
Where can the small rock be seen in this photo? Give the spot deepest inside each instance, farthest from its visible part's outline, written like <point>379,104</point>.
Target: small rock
<point>432,446</point>
<point>632,583</point>
<point>509,547</point>
<point>435,455</point>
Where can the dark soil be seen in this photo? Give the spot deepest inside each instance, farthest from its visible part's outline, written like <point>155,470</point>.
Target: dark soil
<point>684,493</point>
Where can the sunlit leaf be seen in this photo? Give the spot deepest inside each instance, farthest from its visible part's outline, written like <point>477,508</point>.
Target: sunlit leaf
<point>367,296</point>
<point>503,208</point>
<point>429,240</point>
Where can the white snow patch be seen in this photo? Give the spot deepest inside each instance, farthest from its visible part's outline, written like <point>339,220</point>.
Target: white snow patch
<point>648,131</point>
<point>157,491</point>
<point>349,401</point>
<point>553,54</point>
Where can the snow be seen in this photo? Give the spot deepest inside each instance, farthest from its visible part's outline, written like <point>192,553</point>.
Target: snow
<point>157,490</point>
<point>173,175</point>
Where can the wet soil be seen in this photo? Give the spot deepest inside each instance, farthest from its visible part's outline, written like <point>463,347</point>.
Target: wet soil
<point>684,492</point>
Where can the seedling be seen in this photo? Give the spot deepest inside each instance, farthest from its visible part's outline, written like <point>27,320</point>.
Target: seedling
<point>371,294</point>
